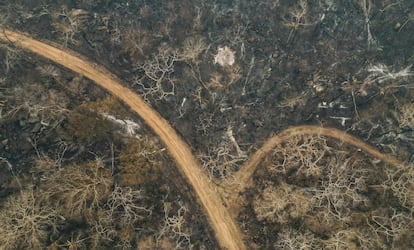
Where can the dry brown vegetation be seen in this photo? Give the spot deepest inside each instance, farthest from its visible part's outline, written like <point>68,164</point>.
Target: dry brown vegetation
<point>228,232</point>
<point>78,190</point>
<point>91,177</point>
<point>337,199</point>
<point>138,164</point>
<point>26,223</point>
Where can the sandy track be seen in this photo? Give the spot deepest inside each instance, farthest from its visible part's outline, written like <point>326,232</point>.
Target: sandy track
<point>227,232</point>
<point>244,176</point>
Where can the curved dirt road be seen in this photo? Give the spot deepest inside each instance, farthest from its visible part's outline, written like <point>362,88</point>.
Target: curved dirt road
<point>227,232</point>
<point>244,176</point>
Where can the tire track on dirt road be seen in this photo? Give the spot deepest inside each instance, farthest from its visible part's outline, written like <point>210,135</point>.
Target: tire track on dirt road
<point>227,232</point>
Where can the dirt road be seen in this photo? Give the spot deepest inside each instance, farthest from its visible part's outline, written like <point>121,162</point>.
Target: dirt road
<point>227,232</point>
<point>244,175</point>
